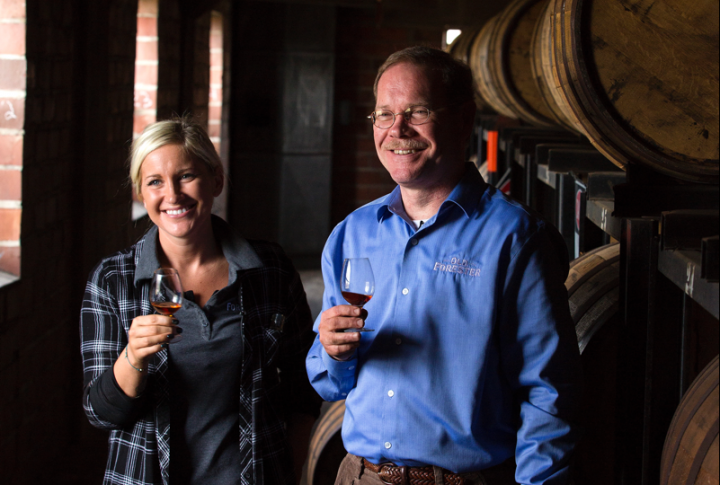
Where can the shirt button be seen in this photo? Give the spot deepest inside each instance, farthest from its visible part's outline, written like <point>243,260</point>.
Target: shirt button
<point>351,367</point>
<point>344,393</point>
<point>405,291</point>
<point>388,445</point>
<point>413,242</point>
<point>398,341</point>
<point>391,393</point>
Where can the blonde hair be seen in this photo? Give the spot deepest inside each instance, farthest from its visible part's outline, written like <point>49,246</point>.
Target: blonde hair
<point>181,131</point>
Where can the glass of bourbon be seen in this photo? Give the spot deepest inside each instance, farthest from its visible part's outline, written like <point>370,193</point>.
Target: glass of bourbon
<point>166,292</point>
<point>357,285</point>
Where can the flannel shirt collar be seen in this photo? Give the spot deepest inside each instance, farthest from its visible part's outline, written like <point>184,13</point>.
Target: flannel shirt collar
<point>237,250</point>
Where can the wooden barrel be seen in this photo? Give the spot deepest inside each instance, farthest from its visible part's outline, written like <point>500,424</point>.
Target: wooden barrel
<point>593,285</point>
<point>593,295</point>
<point>500,60</point>
<point>641,80</point>
<point>690,455</point>
<point>479,64</point>
<point>460,47</point>
<point>326,447</point>
<point>542,61</point>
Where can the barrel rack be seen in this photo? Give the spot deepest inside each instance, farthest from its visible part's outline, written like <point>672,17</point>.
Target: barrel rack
<point>668,235</point>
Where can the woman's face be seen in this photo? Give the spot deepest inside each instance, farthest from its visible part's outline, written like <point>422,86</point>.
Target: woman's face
<point>178,192</point>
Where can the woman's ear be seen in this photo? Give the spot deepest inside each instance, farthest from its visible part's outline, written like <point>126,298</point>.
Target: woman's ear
<point>219,178</point>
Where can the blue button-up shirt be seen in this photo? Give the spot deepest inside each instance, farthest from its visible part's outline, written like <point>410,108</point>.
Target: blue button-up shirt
<point>474,358</point>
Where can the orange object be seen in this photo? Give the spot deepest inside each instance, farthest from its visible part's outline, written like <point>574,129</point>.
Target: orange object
<point>492,148</point>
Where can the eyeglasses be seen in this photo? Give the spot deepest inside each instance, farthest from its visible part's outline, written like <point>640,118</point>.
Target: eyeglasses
<point>414,115</point>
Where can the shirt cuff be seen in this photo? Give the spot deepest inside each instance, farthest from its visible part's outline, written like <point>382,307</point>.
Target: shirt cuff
<point>111,403</point>
<point>340,369</point>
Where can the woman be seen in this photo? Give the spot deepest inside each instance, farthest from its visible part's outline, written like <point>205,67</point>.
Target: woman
<point>223,404</point>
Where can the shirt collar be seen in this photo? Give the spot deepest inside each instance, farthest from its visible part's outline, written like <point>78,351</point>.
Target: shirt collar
<point>466,195</point>
<point>237,250</point>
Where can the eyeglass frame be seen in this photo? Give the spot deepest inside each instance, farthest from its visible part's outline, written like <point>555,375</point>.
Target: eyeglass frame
<point>405,114</point>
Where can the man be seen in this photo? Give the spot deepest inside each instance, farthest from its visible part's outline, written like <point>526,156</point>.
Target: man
<point>473,363</point>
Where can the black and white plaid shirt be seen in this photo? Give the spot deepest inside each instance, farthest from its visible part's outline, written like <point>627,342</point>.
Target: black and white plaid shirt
<point>277,333</point>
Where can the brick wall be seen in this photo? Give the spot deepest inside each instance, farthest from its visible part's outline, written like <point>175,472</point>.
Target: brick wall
<point>358,177</point>
<point>216,81</point>
<point>201,69</point>
<point>146,65</point>
<point>78,120</point>
<point>169,44</point>
<point>12,120</point>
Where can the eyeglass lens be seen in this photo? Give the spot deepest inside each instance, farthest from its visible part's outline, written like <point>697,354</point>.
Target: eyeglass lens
<point>414,116</point>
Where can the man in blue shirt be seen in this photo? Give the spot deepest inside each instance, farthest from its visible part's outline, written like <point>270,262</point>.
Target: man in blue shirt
<point>473,364</point>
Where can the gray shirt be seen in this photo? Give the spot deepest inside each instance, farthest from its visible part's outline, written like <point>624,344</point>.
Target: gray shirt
<point>204,368</point>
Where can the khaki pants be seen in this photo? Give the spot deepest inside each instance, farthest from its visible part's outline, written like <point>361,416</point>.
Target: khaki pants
<point>353,472</point>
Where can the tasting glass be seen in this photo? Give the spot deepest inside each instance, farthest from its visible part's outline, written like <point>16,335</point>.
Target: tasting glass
<point>166,293</point>
<point>357,284</point>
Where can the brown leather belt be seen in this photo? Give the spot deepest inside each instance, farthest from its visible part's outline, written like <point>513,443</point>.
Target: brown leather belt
<point>406,475</point>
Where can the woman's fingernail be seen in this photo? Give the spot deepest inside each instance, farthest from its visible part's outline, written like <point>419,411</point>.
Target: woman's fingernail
<point>170,336</point>
<point>175,321</point>
<point>178,330</point>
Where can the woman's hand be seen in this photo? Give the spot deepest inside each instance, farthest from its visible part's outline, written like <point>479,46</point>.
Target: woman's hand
<point>148,335</point>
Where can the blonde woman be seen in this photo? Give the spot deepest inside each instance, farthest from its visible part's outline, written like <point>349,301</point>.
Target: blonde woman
<point>230,402</point>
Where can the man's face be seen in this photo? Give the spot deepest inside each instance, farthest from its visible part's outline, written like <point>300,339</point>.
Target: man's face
<point>418,156</point>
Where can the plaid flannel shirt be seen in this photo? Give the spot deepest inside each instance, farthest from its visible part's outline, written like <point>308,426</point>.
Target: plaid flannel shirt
<point>273,385</point>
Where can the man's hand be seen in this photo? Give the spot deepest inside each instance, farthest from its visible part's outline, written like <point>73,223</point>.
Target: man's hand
<point>340,345</point>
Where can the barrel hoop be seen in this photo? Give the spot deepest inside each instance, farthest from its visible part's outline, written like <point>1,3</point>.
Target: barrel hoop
<point>596,317</point>
<point>600,262</point>
<point>699,382</point>
<point>701,453</point>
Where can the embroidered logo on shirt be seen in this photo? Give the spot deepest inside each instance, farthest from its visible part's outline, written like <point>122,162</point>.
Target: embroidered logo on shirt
<point>233,307</point>
<point>458,266</point>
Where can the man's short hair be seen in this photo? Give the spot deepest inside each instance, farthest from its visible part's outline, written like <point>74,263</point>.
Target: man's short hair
<point>182,131</point>
<point>455,75</point>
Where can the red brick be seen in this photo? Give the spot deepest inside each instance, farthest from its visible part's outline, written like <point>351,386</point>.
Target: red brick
<point>10,185</point>
<point>12,39</point>
<point>12,113</point>
<point>216,40</point>
<point>215,112</point>
<point>145,99</point>
<point>216,76</point>
<point>147,50</point>
<point>11,149</point>
<point>141,121</point>
<point>215,95</point>
<point>146,74</point>
<point>149,7</point>
<point>12,74</point>
<point>147,27</point>
<point>12,9</point>
<point>213,129</point>
<point>10,260</point>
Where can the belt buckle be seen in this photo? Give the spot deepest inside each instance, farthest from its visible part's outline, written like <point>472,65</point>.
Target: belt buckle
<point>387,477</point>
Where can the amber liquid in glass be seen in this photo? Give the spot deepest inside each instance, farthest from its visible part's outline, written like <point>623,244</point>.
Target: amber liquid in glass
<point>356,299</point>
<point>167,308</point>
